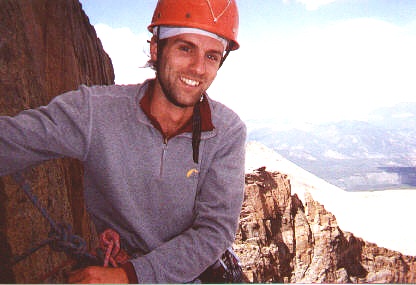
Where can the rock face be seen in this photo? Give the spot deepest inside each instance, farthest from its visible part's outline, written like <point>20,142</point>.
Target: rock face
<point>282,240</point>
<point>47,47</point>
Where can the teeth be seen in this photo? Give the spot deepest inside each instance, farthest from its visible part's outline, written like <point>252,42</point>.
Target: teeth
<point>190,82</point>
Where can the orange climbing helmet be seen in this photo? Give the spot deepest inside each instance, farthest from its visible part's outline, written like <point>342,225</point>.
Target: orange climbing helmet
<point>219,17</point>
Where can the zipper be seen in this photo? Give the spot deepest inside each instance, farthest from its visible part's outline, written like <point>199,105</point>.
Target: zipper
<point>164,150</point>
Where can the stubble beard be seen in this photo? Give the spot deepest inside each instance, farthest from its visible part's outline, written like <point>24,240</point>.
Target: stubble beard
<point>170,94</point>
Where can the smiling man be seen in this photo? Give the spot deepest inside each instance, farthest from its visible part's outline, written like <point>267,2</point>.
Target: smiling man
<point>164,163</point>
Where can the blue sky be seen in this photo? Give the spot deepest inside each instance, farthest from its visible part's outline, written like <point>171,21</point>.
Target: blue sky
<point>300,61</point>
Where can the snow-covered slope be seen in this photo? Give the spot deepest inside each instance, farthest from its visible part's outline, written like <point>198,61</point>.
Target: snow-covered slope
<point>381,217</point>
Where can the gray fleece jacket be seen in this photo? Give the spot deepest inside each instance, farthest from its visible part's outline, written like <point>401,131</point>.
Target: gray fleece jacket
<point>181,216</point>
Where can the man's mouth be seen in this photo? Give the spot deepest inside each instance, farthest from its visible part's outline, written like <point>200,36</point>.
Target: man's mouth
<point>190,82</point>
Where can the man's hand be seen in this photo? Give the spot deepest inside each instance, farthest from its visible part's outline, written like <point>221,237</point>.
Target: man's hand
<point>97,274</point>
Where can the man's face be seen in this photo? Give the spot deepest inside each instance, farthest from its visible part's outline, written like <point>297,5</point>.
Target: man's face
<point>187,67</point>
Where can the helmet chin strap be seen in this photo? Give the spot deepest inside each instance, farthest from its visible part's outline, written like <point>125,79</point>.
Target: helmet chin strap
<point>227,52</point>
<point>196,131</point>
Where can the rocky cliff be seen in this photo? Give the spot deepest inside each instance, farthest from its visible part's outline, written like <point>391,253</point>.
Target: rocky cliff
<point>47,47</point>
<point>280,239</point>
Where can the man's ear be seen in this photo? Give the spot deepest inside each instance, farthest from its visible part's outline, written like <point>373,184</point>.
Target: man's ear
<point>153,49</point>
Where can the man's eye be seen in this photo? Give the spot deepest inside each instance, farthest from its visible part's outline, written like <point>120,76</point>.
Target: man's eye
<point>213,57</point>
<point>185,48</point>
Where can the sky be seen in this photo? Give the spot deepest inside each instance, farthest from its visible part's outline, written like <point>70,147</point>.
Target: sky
<point>300,61</point>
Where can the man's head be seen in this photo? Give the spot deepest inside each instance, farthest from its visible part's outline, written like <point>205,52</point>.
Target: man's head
<point>215,18</point>
<point>186,66</point>
<point>190,42</point>
<point>219,17</point>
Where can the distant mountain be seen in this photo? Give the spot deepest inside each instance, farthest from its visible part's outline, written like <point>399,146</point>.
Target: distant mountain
<point>354,155</point>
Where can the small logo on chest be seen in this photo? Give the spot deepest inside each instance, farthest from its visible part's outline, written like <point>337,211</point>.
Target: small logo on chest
<point>191,171</point>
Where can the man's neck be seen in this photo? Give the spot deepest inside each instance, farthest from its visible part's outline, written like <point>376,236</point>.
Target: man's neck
<point>170,117</point>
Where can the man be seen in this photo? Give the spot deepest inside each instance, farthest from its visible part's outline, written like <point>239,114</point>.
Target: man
<point>164,163</point>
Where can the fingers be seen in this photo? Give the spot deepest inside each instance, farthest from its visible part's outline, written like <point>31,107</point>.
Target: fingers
<point>86,275</point>
<point>76,276</point>
<point>96,274</point>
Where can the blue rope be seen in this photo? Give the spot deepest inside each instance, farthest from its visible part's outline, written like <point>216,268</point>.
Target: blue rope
<point>18,177</point>
<point>18,258</point>
<point>60,237</point>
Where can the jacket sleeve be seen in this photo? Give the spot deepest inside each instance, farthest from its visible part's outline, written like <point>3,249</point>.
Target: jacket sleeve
<point>58,129</point>
<point>217,211</point>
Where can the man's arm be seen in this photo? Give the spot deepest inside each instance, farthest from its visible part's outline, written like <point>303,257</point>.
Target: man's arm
<point>33,136</point>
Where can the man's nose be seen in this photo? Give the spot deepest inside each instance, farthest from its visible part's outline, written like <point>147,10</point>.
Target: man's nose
<point>198,63</point>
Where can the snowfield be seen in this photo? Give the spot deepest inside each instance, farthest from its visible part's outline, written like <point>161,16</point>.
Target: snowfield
<point>380,217</point>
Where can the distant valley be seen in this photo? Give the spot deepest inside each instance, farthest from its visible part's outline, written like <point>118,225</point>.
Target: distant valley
<point>376,154</point>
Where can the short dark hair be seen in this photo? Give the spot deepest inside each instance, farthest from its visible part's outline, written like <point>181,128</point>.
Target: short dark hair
<point>160,46</point>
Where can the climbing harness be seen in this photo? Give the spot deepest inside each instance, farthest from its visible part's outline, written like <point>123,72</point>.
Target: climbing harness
<point>60,238</point>
<point>227,269</point>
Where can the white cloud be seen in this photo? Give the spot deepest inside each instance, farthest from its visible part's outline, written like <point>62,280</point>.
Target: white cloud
<point>312,4</point>
<point>335,72</point>
<point>335,155</point>
<point>127,52</point>
<point>403,115</point>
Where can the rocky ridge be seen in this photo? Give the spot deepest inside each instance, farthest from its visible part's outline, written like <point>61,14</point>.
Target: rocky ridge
<point>283,240</point>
